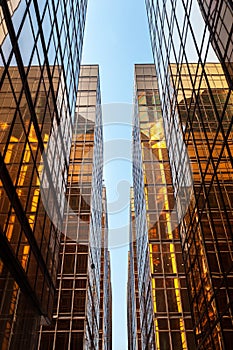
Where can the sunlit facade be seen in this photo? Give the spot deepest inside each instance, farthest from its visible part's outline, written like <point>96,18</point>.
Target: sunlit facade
<point>80,318</point>
<point>196,100</point>
<point>133,309</point>
<point>206,224</point>
<point>40,52</point>
<point>165,318</point>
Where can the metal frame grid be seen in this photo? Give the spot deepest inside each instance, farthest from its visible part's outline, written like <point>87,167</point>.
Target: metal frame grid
<point>165,275</point>
<point>77,311</point>
<point>41,43</point>
<point>196,101</point>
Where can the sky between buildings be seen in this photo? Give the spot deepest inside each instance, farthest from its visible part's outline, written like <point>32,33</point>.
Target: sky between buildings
<point>116,37</point>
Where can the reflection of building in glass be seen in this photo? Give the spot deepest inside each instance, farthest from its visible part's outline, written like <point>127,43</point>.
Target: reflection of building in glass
<point>12,4</point>
<point>81,318</point>
<point>159,285</point>
<point>39,66</point>
<point>197,108</point>
<point>29,180</point>
<point>219,18</point>
<point>206,229</point>
<point>133,316</point>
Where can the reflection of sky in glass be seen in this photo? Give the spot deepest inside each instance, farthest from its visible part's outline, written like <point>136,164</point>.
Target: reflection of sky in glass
<point>17,10</point>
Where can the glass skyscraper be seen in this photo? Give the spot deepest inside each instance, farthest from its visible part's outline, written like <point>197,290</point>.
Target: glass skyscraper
<point>81,318</point>
<point>196,105</point>
<point>40,52</point>
<point>156,270</point>
<point>218,17</point>
<point>133,296</point>
<point>207,224</point>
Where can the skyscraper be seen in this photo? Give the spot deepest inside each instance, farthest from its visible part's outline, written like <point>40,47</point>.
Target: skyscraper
<point>156,266</point>
<point>41,44</point>
<point>196,102</point>
<point>218,17</point>
<point>206,226</point>
<point>81,317</point>
<point>3,26</point>
<point>133,296</point>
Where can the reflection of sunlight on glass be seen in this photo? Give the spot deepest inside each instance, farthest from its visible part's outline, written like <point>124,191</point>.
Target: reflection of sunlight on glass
<point>117,174</point>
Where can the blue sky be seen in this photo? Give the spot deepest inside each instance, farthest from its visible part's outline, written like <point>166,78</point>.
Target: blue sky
<point>116,37</point>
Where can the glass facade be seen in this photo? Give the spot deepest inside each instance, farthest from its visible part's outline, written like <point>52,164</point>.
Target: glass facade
<point>165,317</point>
<point>40,51</point>
<point>133,315</point>
<point>80,307</point>
<point>196,101</point>
<point>219,15</point>
<point>206,228</point>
